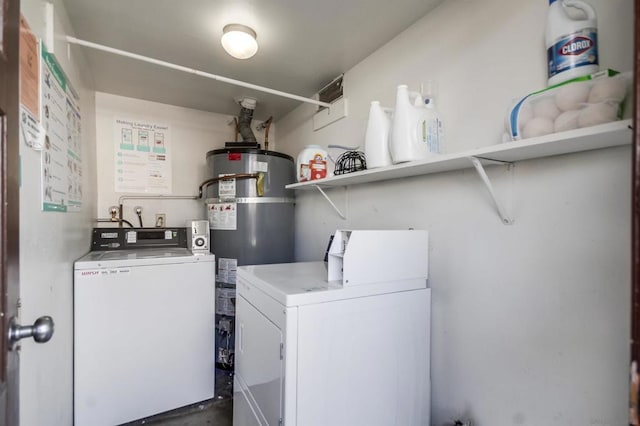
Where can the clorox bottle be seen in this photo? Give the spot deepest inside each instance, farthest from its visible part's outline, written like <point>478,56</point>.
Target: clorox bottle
<point>571,39</point>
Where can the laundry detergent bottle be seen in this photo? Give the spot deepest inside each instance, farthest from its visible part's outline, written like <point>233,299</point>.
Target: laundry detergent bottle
<point>571,39</point>
<point>376,139</point>
<point>408,134</point>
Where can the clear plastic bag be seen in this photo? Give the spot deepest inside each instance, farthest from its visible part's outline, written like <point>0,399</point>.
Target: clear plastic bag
<point>582,102</point>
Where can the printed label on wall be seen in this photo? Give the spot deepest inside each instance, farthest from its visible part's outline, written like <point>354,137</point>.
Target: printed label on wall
<point>29,70</point>
<point>31,132</point>
<point>74,144</point>
<point>143,157</point>
<point>61,154</point>
<point>223,216</point>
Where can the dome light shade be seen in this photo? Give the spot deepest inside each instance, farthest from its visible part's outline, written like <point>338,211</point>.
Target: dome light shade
<point>239,41</point>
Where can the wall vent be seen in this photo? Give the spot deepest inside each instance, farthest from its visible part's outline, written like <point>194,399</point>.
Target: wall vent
<point>331,92</point>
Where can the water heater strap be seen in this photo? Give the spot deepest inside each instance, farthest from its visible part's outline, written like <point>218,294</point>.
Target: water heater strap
<point>251,200</point>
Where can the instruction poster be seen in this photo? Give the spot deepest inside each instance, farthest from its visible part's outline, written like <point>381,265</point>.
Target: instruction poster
<point>143,158</point>
<point>29,87</point>
<point>60,155</point>
<point>74,163</point>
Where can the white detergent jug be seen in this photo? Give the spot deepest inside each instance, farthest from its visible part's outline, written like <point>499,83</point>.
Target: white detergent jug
<point>376,139</point>
<point>408,134</point>
<point>571,41</point>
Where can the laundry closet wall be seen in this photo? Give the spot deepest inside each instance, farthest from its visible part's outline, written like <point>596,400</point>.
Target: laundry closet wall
<point>193,134</point>
<point>530,321</point>
<point>49,243</point>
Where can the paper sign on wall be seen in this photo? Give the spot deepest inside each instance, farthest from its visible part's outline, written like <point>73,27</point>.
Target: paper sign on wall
<point>143,157</point>
<point>61,152</point>
<point>29,87</point>
<point>29,69</point>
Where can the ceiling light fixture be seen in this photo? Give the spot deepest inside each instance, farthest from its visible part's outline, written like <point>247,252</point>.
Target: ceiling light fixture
<point>239,41</point>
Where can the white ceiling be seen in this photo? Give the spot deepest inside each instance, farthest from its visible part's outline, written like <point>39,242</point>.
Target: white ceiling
<point>304,44</point>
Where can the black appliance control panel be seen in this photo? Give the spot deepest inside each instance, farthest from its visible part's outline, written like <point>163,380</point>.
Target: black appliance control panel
<point>137,238</point>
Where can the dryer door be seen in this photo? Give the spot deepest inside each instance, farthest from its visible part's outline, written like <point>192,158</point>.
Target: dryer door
<point>258,365</point>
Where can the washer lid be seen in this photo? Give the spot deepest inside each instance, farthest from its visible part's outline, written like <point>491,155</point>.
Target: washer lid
<point>152,256</point>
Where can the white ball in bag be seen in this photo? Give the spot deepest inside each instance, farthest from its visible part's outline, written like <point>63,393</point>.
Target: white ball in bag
<point>538,126</point>
<point>608,89</point>
<point>572,96</point>
<point>525,113</point>
<point>568,120</point>
<point>595,114</point>
<point>546,107</point>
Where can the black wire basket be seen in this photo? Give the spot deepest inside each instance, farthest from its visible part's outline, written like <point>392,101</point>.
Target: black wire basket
<point>349,162</point>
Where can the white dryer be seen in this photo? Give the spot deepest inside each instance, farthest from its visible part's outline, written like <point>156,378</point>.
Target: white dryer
<point>311,352</point>
<point>143,327</point>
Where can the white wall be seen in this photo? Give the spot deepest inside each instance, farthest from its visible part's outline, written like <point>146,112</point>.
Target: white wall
<point>530,321</point>
<point>49,243</point>
<point>193,134</point>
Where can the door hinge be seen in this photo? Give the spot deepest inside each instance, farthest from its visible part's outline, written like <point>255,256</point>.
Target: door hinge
<point>281,356</point>
<point>280,422</point>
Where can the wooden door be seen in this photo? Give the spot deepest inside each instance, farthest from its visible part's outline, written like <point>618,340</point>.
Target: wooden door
<point>634,394</point>
<point>9,206</point>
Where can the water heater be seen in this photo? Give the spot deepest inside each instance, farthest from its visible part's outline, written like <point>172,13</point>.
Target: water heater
<point>251,220</point>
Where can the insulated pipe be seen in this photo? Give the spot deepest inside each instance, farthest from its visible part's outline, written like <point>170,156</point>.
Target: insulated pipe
<point>108,49</point>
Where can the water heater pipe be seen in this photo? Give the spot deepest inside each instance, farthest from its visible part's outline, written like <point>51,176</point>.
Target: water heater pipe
<point>244,122</point>
<point>220,78</point>
<point>147,197</point>
<point>259,177</point>
<point>266,125</point>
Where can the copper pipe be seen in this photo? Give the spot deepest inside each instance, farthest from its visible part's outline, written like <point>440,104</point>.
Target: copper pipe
<point>258,176</point>
<point>146,197</point>
<point>235,129</point>
<point>267,125</point>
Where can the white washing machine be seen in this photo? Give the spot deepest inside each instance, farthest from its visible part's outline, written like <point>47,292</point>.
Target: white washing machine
<point>143,327</point>
<point>310,352</point>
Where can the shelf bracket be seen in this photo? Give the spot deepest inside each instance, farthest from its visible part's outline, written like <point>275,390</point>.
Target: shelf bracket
<point>331,202</point>
<point>487,183</point>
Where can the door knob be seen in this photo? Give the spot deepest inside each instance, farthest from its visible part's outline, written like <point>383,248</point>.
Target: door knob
<point>41,331</point>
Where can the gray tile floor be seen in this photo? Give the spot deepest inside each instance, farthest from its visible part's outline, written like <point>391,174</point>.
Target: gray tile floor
<point>206,413</point>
